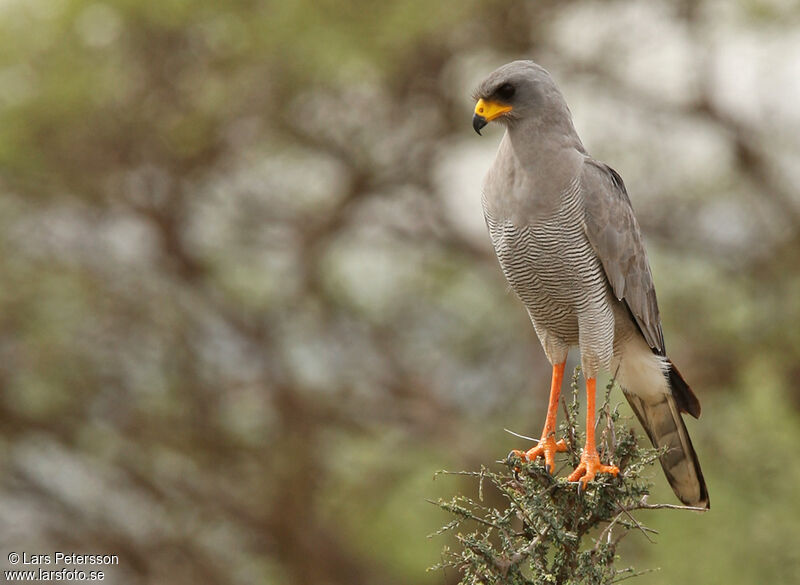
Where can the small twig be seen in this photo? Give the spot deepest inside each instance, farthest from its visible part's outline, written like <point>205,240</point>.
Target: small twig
<point>521,554</point>
<point>449,526</point>
<point>606,531</point>
<point>632,526</point>
<point>521,436</point>
<point>636,522</point>
<point>645,506</point>
<point>642,572</point>
<point>453,510</point>
<point>470,473</point>
<point>521,509</point>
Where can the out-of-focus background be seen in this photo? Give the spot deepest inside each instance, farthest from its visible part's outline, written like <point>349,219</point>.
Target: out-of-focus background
<point>248,306</point>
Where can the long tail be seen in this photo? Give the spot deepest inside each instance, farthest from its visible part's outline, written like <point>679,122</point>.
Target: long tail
<point>658,403</point>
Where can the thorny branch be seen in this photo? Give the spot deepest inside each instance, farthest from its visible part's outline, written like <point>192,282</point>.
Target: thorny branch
<point>556,517</point>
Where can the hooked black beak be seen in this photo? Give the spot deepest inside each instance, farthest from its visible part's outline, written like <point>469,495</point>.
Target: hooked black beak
<point>478,122</point>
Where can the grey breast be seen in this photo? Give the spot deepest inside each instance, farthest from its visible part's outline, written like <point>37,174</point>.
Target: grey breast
<point>551,266</point>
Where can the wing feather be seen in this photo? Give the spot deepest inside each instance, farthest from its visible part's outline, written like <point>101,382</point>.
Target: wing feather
<point>615,236</point>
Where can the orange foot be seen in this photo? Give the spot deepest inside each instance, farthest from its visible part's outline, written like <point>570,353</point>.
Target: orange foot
<point>589,467</point>
<point>547,447</point>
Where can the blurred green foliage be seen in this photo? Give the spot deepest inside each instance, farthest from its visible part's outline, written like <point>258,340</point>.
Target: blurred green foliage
<point>245,314</point>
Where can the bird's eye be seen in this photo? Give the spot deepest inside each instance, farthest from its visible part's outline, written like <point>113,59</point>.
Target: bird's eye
<point>505,91</point>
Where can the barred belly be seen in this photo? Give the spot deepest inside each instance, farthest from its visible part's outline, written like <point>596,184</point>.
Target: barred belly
<point>552,267</point>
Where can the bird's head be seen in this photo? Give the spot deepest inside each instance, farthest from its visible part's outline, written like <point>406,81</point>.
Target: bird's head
<point>517,91</point>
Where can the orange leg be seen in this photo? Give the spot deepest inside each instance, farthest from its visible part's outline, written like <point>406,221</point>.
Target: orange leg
<point>548,447</point>
<point>590,461</point>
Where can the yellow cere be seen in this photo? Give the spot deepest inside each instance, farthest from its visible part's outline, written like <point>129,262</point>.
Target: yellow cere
<point>490,110</point>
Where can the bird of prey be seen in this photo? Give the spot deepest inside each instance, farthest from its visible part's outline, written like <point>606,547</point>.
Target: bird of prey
<point>569,244</point>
